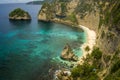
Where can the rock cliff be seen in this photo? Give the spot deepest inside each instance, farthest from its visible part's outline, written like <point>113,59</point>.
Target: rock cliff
<point>100,15</point>
<point>90,13</point>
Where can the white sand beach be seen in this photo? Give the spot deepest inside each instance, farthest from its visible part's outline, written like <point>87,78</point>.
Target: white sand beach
<point>91,40</point>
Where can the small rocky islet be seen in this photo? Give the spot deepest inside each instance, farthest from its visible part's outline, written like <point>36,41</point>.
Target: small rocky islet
<point>19,14</point>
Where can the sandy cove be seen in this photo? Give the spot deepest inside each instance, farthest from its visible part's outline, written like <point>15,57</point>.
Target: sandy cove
<point>90,41</point>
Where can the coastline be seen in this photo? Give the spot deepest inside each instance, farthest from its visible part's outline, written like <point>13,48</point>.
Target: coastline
<point>90,41</point>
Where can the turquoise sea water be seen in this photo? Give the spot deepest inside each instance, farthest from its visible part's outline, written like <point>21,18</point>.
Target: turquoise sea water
<point>27,48</point>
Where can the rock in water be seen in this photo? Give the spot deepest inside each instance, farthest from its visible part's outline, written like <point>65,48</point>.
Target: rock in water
<point>67,54</point>
<point>19,14</point>
<point>63,74</point>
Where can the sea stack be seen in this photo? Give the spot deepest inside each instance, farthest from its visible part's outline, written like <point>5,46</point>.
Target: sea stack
<point>67,54</point>
<point>19,14</point>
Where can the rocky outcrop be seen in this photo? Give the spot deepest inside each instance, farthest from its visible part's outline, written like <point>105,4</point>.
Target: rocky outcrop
<point>19,14</point>
<point>67,54</point>
<point>63,75</point>
<point>57,11</point>
<point>46,12</point>
<point>42,16</point>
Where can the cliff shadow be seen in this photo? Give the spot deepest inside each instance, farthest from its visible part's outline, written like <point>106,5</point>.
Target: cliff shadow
<point>46,26</point>
<point>19,22</point>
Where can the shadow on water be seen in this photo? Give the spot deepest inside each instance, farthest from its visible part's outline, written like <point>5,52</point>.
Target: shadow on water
<point>46,26</point>
<point>20,22</point>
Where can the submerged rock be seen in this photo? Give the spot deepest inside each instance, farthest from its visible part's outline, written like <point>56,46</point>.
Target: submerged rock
<point>19,14</point>
<point>67,54</point>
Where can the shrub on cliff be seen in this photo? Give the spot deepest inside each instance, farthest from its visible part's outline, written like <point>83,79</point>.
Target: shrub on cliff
<point>84,72</point>
<point>87,48</point>
<point>63,8</point>
<point>72,18</point>
<point>96,53</point>
<point>115,69</point>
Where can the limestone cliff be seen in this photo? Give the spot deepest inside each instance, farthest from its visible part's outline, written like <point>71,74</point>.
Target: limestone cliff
<point>59,11</point>
<point>103,16</point>
<point>90,13</point>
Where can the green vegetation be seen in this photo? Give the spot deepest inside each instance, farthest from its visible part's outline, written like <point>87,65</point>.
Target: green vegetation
<point>84,72</point>
<point>106,58</point>
<point>103,34</point>
<point>114,73</point>
<point>18,12</point>
<point>87,48</point>
<point>115,66</point>
<point>45,5</point>
<point>116,13</point>
<point>100,22</point>
<point>63,8</point>
<point>90,68</point>
<point>49,10</point>
<point>83,8</point>
<point>110,35</point>
<point>110,17</point>
<point>72,18</point>
<point>96,53</point>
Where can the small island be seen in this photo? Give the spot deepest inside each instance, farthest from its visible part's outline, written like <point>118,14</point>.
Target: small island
<point>35,3</point>
<point>19,14</point>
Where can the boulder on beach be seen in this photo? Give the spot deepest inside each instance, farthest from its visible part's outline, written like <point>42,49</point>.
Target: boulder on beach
<point>67,54</point>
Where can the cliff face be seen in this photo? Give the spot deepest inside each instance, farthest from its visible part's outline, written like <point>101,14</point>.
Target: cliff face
<point>90,13</point>
<point>103,16</point>
<point>59,11</point>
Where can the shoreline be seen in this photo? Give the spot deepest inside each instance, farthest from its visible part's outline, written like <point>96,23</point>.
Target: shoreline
<point>90,42</point>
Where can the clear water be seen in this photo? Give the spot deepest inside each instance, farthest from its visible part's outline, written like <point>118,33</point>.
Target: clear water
<point>27,48</point>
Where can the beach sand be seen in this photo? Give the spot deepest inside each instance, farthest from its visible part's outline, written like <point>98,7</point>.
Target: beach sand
<point>90,42</point>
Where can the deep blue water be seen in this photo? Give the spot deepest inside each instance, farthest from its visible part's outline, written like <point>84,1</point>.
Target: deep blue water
<point>27,48</point>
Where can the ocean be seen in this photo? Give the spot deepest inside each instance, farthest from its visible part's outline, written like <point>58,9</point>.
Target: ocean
<point>28,49</point>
